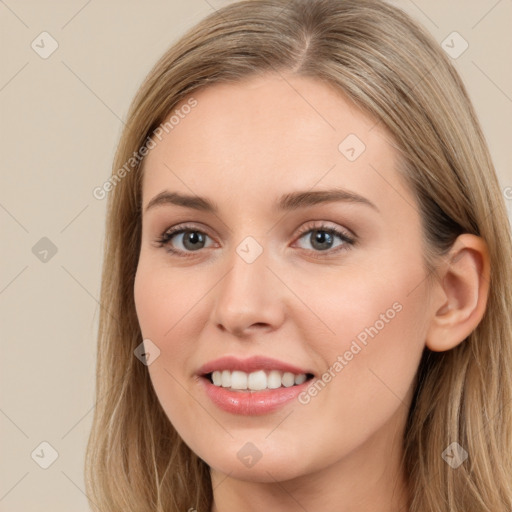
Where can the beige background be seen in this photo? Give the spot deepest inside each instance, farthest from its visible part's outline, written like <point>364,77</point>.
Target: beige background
<point>61,119</point>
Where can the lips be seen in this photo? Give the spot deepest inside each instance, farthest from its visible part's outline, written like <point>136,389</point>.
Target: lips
<point>245,395</point>
<point>250,365</point>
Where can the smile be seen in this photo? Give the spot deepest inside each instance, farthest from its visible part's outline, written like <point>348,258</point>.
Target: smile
<point>256,381</point>
<point>254,386</point>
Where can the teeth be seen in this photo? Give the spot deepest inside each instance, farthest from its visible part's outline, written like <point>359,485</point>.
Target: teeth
<point>299,379</point>
<point>238,380</point>
<point>217,378</point>
<point>288,379</point>
<point>256,381</point>
<point>226,378</point>
<point>274,379</point>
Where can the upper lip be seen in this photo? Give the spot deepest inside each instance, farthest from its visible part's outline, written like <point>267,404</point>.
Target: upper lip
<point>249,365</point>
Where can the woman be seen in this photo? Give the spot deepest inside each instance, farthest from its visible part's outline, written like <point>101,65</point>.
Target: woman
<point>307,279</point>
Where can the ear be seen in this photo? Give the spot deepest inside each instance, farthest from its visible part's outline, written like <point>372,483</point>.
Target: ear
<point>461,293</point>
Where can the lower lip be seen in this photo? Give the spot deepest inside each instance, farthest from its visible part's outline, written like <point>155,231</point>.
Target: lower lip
<point>249,403</point>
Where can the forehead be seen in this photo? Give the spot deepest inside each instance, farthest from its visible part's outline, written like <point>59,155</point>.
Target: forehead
<point>266,134</point>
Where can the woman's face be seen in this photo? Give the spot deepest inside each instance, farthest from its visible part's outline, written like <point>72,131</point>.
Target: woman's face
<point>302,258</point>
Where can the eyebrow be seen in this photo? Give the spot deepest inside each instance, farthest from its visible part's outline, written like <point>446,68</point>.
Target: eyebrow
<point>287,202</point>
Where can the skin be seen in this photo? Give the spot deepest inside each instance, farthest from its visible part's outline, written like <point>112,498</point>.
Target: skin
<point>243,146</point>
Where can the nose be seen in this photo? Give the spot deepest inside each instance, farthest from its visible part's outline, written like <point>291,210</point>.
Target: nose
<point>249,299</point>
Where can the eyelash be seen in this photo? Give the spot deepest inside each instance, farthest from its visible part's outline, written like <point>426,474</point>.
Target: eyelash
<point>348,241</point>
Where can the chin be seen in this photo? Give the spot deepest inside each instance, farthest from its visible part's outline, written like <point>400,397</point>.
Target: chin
<point>264,472</point>
<point>264,464</point>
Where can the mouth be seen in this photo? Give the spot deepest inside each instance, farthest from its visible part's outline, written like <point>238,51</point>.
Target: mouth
<point>255,386</point>
<point>259,380</point>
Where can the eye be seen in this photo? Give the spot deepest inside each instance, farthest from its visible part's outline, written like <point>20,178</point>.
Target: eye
<point>188,238</point>
<point>322,238</point>
<point>184,240</point>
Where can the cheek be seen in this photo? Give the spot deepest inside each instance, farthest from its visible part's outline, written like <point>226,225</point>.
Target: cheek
<point>380,301</point>
<point>373,328</point>
<point>145,299</point>
<point>164,300</point>
<point>168,305</point>
<point>163,311</point>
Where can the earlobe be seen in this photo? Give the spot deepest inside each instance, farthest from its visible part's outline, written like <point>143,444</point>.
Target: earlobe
<point>463,290</point>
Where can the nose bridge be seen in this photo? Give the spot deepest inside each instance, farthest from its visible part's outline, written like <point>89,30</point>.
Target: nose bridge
<point>245,296</point>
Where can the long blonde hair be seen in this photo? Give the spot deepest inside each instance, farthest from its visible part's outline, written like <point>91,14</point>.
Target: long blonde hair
<point>391,68</point>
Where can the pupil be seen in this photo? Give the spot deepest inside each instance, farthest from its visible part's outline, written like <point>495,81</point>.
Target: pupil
<point>322,237</point>
<point>193,237</point>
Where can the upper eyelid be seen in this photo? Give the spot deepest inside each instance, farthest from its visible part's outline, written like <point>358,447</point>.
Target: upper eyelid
<point>325,225</point>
